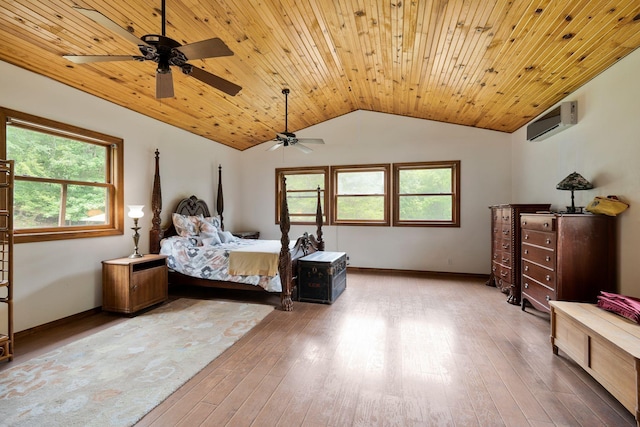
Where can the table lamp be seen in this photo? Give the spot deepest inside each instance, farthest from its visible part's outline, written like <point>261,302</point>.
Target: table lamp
<point>135,212</point>
<point>574,182</point>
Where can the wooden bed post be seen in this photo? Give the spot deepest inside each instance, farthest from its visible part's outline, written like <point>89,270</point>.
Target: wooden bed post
<point>284,264</point>
<point>320,242</point>
<point>155,234</point>
<point>220,200</point>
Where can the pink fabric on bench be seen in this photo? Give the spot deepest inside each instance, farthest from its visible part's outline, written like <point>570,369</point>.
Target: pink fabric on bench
<point>623,305</point>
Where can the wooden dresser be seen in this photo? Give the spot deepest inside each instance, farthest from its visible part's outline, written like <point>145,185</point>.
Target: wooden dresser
<point>570,257</point>
<point>505,247</point>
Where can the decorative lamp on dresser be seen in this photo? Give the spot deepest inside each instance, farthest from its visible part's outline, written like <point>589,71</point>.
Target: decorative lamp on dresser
<point>505,247</point>
<point>570,257</point>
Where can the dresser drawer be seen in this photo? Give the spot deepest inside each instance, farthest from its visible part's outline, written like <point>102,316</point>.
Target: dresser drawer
<point>542,256</point>
<point>504,258</point>
<point>505,215</point>
<point>539,238</point>
<point>538,222</point>
<point>538,295</point>
<point>543,275</point>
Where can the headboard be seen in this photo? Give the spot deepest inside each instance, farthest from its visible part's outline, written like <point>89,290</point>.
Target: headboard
<point>190,206</point>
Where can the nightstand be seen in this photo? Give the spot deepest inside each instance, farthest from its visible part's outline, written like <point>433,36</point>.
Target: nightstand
<point>246,234</point>
<point>132,284</point>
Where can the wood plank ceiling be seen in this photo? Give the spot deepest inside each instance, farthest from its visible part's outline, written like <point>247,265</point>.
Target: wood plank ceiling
<point>488,64</point>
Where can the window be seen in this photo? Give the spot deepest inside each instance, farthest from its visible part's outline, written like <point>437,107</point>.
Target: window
<point>302,193</point>
<point>68,180</point>
<point>427,194</point>
<point>360,194</point>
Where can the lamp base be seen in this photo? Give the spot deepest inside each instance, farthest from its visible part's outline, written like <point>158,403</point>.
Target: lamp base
<point>136,255</point>
<point>575,209</point>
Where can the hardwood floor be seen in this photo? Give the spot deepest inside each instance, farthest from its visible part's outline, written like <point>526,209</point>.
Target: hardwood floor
<point>397,350</point>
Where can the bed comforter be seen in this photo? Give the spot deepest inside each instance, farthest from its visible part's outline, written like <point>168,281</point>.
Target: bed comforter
<point>189,256</point>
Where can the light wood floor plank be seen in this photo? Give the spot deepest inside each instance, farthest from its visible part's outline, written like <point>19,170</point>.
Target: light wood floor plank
<point>393,350</point>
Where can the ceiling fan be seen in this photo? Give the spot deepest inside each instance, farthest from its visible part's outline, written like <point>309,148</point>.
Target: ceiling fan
<point>165,52</point>
<point>286,138</point>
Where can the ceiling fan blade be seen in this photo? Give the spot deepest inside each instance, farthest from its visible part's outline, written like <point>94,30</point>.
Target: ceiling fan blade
<point>84,59</point>
<point>311,140</point>
<point>211,48</point>
<point>305,150</point>
<point>275,147</point>
<point>217,82</point>
<point>164,85</point>
<point>99,18</point>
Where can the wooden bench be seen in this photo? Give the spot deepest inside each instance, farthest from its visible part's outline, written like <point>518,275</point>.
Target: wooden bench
<point>604,344</point>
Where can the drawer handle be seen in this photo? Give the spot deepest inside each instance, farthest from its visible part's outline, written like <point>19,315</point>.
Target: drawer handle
<point>526,285</point>
<point>548,298</point>
<point>526,251</point>
<point>547,277</point>
<point>505,259</point>
<point>505,232</point>
<point>548,241</point>
<point>547,258</point>
<point>526,237</point>
<point>526,268</point>
<point>493,268</point>
<point>505,246</point>
<point>504,274</point>
<point>495,256</point>
<point>546,224</point>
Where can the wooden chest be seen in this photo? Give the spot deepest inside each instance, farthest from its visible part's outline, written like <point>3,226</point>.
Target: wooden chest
<point>322,276</point>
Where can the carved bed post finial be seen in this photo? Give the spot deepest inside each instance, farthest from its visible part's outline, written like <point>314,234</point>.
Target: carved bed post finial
<point>155,234</point>
<point>220,200</point>
<point>284,264</point>
<point>319,223</point>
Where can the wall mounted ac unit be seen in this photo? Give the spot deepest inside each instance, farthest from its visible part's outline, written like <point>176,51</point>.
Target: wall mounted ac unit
<point>556,120</point>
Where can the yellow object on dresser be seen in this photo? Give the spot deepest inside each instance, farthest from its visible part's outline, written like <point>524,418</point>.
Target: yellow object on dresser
<point>604,344</point>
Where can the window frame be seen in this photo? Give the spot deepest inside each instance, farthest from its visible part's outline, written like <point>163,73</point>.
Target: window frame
<point>336,170</point>
<point>454,165</point>
<point>305,170</point>
<point>114,179</point>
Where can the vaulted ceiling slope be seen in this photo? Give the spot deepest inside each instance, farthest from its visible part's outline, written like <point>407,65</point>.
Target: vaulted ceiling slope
<point>488,64</point>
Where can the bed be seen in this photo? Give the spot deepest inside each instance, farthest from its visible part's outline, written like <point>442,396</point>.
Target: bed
<point>198,256</point>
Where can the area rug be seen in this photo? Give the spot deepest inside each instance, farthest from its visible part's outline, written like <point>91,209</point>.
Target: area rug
<point>118,375</point>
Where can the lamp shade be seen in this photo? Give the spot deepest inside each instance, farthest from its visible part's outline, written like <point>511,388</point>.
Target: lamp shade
<point>135,211</point>
<point>574,181</point>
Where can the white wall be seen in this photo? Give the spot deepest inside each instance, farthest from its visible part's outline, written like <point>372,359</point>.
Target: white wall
<point>604,147</point>
<point>58,279</point>
<point>365,137</point>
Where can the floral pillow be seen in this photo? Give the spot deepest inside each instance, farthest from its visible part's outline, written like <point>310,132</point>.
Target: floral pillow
<point>186,225</point>
<point>213,220</point>
<point>227,237</point>
<point>209,233</point>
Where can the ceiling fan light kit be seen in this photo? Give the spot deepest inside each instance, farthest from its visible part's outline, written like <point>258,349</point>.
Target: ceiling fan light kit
<point>165,52</point>
<point>286,138</point>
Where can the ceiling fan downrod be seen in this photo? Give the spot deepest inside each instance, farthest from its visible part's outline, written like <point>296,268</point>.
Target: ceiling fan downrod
<point>286,110</point>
